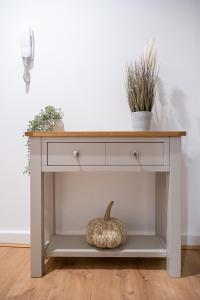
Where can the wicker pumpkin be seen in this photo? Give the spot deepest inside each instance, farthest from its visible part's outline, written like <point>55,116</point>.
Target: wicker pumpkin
<point>106,232</point>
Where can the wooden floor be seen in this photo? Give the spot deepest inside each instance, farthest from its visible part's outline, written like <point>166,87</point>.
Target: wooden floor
<point>97,279</point>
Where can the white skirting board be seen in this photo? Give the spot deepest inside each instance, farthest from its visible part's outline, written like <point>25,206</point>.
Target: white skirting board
<point>23,237</point>
<point>14,237</point>
<point>190,240</point>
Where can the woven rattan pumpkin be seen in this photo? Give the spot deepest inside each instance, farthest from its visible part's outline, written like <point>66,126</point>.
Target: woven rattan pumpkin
<point>106,232</point>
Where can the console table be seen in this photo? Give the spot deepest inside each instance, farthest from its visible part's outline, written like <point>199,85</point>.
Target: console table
<point>158,152</point>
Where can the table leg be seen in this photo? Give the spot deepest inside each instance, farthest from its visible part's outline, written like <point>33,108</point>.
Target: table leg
<point>161,205</point>
<point>49,206</point>
<point>36,188</point>
<point>174,210</point>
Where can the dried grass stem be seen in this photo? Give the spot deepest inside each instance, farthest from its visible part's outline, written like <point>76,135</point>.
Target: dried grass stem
<point>141,81</point>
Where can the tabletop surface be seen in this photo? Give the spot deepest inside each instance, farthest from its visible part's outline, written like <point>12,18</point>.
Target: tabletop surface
<point>105,133</point>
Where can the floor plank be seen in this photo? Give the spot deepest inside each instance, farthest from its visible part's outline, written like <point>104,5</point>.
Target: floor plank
<point>97,278</point>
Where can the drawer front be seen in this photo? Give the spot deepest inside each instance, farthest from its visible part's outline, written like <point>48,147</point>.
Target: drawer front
<point>74,154</point>
<point>135,154</point>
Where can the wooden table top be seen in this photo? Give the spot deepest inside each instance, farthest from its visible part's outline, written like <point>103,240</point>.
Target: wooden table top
<point>105,133</point>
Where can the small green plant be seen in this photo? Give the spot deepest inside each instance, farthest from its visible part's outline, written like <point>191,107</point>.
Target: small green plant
<point>44,121</point>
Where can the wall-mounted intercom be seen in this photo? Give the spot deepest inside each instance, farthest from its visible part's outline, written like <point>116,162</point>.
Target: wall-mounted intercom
<point>27,52</point>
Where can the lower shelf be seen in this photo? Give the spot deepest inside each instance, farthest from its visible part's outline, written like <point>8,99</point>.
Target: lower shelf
<point>76,246</point>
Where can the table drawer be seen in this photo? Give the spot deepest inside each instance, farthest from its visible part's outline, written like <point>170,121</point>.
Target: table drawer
<point>134,154</point>
<point>74,154</point>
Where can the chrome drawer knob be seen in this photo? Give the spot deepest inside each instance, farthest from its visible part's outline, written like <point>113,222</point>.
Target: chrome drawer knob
<point>135,153</point>
<point>76,153</point>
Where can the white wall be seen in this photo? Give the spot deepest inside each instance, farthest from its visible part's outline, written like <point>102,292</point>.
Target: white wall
<point>81,51</point>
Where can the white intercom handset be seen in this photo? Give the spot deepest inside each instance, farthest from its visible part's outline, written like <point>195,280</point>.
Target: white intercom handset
<point>27,52</point>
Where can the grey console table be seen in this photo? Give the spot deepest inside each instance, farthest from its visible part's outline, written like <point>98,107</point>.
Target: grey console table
<point>158,152</point>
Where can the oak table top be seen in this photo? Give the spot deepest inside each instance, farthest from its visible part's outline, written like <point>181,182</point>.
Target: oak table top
<point>105,133</point>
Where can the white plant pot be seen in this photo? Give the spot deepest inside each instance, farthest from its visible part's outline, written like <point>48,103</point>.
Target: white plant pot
<point>59,126</point>
<point>141,120</point>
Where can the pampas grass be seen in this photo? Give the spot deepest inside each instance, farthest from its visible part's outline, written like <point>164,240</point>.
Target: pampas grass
<point>141,80</point>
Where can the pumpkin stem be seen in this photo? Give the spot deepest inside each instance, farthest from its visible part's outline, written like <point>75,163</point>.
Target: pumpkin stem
<point>107,214</point>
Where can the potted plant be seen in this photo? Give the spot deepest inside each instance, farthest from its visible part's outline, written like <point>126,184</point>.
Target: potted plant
<point>49,119</point>
<point>141,88</point>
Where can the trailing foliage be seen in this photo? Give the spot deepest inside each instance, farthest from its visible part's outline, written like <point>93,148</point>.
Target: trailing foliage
<point>44,121</point>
